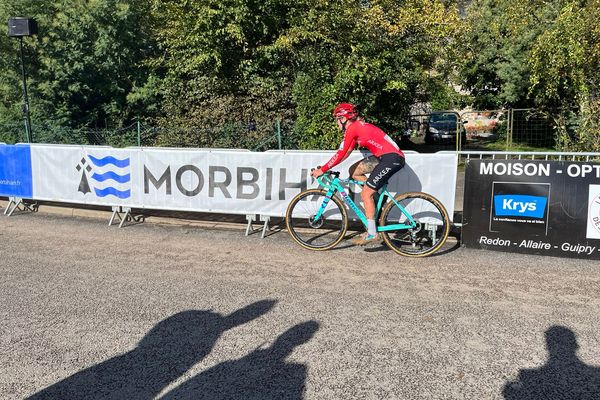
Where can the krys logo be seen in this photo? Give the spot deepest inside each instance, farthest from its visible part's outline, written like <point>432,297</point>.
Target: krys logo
<point>514,205</point>
<point>109,176</point>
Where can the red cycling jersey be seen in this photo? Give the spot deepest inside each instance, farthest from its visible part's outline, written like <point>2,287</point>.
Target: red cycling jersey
<point>365,135</point>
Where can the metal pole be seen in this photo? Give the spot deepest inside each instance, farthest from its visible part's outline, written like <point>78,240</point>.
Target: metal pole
<point>138,133</point>
<point>25,97</point>
<point>508,122</point>
<point>279,133</point>
<point>458,132</point>
<point>512,126</point>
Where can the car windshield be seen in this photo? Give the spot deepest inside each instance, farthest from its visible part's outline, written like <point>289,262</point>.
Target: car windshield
<point>442,118</point>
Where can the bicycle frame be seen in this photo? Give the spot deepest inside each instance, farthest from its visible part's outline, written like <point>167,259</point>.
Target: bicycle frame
<point>335,185</point>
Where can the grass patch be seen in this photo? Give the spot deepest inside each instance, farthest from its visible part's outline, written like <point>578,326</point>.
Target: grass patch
<point>501,146</point>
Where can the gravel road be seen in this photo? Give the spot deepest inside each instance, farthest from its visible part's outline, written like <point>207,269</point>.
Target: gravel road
<point>178,311</point>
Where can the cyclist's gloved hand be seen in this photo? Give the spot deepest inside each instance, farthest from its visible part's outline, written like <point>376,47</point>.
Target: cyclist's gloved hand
<point>316,172</point>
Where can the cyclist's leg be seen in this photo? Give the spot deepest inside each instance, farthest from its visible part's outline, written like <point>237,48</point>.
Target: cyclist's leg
<point>359,170</point>
<point>390,164</point>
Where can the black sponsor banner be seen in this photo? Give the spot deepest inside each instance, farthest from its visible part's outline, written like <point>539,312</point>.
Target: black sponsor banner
<point>536,207</point>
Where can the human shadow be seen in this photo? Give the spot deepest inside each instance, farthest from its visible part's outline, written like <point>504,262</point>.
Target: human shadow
<point>165,353</point>
<point>263,374</point>
<point>564,376</point>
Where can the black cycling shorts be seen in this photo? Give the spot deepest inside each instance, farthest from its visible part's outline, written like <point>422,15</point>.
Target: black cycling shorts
<point>388,165</point>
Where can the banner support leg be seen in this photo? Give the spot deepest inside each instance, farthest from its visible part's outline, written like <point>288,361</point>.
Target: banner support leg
<point>249,229</point>
<point>11,201</point>
<point>116,211</point>
<point>265,226</point>
<point>16,203</point>
<point>126,216</point>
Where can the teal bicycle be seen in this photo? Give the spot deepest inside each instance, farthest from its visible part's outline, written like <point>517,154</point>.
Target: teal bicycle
<point>412,224</point>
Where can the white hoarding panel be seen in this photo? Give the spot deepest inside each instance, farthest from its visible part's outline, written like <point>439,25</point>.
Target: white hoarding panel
<point>221,181</point>
<point>88,175</point>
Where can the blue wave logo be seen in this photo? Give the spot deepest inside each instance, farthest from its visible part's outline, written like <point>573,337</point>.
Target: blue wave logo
<point>122,194</point>
<point>101,162</point>
<point>111,175</point>
<point>515,205</point>
<point>118,172</point>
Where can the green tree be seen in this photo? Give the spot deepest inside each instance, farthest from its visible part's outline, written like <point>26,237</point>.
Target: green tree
<point>381,55</point>
<point>244,60</point>
<point>541,54</point>
<point>220,66</point>
<point>88,57</point>
<point>496,42</point>
<point>565,77</point>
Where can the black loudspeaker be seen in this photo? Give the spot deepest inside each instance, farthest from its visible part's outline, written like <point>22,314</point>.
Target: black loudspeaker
<point>19,27</point>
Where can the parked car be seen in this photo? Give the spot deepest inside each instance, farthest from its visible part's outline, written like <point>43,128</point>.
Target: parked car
<point>441,127</point>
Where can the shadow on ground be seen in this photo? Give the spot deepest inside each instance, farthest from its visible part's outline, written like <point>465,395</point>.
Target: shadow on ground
<point>564,376</point>
<point>263,374</point>
<point>177,343</point>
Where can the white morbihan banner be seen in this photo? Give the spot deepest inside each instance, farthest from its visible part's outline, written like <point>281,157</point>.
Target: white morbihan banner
<point>222,181</point>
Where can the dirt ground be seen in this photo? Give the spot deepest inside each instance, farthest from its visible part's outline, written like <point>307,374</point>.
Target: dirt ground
<point>200,311</point>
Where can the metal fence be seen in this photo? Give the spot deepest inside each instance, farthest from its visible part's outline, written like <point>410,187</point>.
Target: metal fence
<point>487,130</point>
<point>530,155</point>
<point>275,135</point>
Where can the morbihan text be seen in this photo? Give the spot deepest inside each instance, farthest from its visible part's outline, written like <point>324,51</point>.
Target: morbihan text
<point>241,183</point>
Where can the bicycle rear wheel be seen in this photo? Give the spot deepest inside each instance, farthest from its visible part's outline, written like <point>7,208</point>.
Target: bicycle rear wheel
<point>431,231</point>
<point>323,233</point>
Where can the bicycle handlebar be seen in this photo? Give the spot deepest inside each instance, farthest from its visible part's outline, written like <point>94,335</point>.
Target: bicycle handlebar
<point>325,179</point>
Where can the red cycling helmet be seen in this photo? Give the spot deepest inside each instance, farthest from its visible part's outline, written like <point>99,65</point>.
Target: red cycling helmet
<point>345,110</point>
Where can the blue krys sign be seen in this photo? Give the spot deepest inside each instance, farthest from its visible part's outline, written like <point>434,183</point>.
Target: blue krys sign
<point>15,171</point>
<point>515,205</point>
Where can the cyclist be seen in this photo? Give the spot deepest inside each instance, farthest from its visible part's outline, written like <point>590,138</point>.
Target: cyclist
<point>386,160</point>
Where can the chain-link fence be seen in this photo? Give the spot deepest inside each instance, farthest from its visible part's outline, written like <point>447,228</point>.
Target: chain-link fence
<point>275,135</point>
<point>531,128</point>
<point>46,133</point>
<point>488,129</point>
<point>495,130</point>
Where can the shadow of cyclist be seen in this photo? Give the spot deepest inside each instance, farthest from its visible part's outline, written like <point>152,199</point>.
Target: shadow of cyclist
<point>564,376</point>
<point>164,354</point>
<point>263,374</point>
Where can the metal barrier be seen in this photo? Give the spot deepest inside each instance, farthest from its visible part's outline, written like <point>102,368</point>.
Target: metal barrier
<point>530,155</point>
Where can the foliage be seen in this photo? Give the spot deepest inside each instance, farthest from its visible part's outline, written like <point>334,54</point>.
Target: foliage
<point>542,54</point>
<point>242,60</point>
<point>496,41</point>
<point>86,59</point>
<point>380,55</point>
<point>221,72</point>
<point>220,65</point>
<point>565,77</point>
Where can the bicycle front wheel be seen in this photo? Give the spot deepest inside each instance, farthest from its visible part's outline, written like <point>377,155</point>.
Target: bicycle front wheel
<point>316,233</point>
<point>432,224</point>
